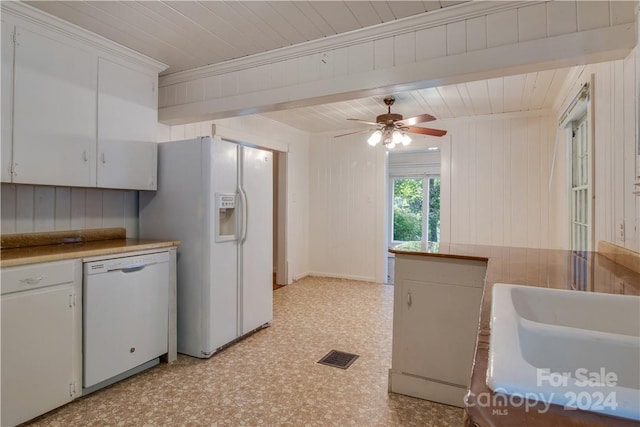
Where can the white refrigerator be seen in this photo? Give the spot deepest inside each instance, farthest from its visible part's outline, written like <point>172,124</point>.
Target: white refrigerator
<point>216,197</point>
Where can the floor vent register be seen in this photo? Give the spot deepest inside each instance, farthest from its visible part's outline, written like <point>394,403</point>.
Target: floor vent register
<point>338,359</point>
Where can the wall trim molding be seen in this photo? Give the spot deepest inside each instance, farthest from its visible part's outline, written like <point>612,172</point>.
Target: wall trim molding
<point>342,276</point>
<point>52,23</point>
<point>457,13</point>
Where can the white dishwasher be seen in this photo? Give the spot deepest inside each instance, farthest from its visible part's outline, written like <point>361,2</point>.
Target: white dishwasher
<point>125,316</point>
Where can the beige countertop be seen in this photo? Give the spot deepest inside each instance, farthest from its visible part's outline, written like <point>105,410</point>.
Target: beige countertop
<point>31,248</point>
<point>561,269</point>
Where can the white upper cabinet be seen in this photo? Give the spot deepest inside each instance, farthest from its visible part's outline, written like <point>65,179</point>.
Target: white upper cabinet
<point>54,120</point>
<point>127,120</point>
<point>6,109</point>
<point>78,110</point>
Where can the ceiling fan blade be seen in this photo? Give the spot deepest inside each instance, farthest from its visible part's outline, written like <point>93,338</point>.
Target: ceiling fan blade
<point>352,133</point>
<point>425,131</point>
<point>415,120</point>
<point>364,121</point>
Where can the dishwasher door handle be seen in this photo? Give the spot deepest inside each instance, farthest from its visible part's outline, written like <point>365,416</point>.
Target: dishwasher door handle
<point>133,269</point>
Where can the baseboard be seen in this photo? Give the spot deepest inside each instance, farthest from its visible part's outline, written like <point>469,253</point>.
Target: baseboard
<point>342,276</point>
<point>423,388</point>
<point>300,276</point>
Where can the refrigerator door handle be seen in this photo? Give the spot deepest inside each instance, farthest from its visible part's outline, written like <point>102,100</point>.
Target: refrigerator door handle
<point>243,234</point>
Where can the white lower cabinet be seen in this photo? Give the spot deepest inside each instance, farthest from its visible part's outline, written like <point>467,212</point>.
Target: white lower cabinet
<point>435,322</point>
<point>41,338</point>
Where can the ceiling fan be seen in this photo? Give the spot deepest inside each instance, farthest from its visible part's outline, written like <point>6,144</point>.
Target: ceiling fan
<point>391,129</point>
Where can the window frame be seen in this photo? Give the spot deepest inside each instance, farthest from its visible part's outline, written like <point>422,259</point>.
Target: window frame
<point>425,178</point>
<point>580,109</point>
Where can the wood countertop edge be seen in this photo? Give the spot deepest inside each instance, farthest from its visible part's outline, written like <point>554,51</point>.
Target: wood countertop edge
<point>438,255</point>
<point>85,253</point>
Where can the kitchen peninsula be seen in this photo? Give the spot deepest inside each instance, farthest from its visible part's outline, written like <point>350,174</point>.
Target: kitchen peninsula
<point>560,269</point>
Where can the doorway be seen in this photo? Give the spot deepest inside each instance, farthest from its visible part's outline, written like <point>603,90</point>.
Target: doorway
<point>280,273</point>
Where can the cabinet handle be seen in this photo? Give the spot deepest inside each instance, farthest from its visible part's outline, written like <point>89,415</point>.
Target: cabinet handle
<point>409,299</point>
<point>32,280</point>
<point>85,158</point>
<point>102,159</point>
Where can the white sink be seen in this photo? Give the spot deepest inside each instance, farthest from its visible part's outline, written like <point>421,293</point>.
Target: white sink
<point>575,349</point>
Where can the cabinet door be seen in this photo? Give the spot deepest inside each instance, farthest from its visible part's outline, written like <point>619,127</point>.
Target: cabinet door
<point>54,127</point>
<point>6,110</point>
<point>439,326</point>
<point>127,121</point>
<point>38,352</point>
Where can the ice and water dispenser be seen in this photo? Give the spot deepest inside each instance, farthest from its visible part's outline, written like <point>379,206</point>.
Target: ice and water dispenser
<point>225,217</point>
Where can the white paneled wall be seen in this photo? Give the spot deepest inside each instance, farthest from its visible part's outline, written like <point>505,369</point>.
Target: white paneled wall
<point>473,41</point>
<point>29,208</point>
<point>298,236</point>
<point>276,136</point>
<point>616,209</point>
<point>346,208</point>
<point>496,172</point>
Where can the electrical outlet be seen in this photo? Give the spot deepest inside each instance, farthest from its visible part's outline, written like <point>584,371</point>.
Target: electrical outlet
<point>621,231</point>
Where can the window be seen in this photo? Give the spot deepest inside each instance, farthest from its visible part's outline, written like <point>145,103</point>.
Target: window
<point>412,218</point>
<point>576,122</point>
<point>580,180</point>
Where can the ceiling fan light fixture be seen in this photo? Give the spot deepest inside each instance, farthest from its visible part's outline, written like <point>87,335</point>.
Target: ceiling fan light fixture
<point>375,138</point>
<point>396,137</point>
<point>391,129</point>
<point>386,136</point>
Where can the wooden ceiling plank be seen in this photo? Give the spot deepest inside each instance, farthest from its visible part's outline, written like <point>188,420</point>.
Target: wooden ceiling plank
<point>451,97</point>
<point>479,93</point>
<point>466,98</point>
<point>271,18</point>
<point>258,24</point>
<point>433,98</point>
<point>402,9</point>
<point>324,27</point>
<point>527,92</point>
<point>431,5</point>
<point>496,95</point>
<point>513,87</point>
<point>383,10</point>
<point>451,3</point>
<point>152,24</point>
<point>191,31</point>
<point>541,89</point>
<point>292,14</point>
<point>237,46</point>
<point>364,13</point>
<point>555,89</point>
<point>239,24</point>
<point>337,15</point>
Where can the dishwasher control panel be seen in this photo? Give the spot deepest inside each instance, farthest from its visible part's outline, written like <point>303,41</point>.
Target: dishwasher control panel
<point>125,263</point>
